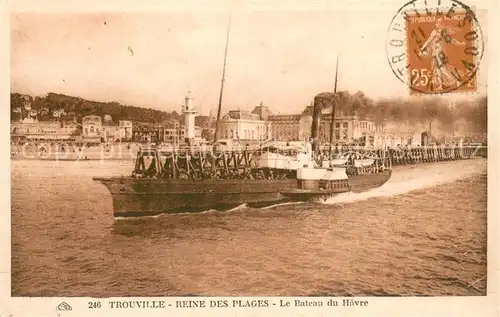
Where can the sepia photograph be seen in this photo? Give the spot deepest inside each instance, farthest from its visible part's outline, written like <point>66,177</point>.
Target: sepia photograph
<point>331,153</point>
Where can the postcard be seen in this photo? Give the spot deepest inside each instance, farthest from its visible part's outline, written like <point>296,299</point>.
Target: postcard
<point>244,158</point>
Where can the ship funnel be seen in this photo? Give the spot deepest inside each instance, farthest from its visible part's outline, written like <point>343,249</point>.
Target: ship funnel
<point>322,100</point>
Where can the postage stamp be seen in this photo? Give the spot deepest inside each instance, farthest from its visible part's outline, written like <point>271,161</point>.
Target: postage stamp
<point>440,48</point>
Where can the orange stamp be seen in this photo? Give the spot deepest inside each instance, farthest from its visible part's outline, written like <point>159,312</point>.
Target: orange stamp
<point>436,51</point>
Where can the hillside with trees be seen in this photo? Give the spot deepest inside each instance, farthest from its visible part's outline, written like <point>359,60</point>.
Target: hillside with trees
<point>55,106</point>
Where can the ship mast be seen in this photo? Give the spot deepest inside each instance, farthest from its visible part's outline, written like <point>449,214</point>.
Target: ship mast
<point>332,123</point>
<point>223,80</point>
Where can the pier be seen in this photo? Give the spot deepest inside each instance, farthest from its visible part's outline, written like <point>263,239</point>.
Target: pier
<point>243,163</point>
<point>407,155</point>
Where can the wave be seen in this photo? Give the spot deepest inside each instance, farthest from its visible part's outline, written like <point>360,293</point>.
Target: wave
<point>410,178</point>
<point>282,204</point>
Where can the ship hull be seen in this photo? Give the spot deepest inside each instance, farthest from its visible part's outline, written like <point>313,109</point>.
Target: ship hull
<point>149,196</point>
<point>361,183</point>
<point>152,196</point>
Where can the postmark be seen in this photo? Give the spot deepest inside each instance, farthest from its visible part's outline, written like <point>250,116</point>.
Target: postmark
<point>435,47</point>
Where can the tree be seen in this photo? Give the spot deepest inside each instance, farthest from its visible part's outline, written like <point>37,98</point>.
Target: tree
<point>82,107</point>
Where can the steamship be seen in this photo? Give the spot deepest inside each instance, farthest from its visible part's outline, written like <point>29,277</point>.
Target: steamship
<point>193,179</point>
<point>279,177</point>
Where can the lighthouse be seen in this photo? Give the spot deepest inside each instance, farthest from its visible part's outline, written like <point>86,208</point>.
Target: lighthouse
<point>189,115</point>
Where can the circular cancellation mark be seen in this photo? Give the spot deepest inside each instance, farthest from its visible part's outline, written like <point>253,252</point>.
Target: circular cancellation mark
<point>435,46</point>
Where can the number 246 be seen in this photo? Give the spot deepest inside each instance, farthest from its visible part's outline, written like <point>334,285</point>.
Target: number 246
<point>94,304</point>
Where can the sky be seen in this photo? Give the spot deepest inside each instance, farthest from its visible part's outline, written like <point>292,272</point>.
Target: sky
<point>277,57</point>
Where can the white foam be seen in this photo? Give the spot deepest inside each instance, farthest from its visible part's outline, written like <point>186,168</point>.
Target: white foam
<point>282,204</point>
<point>410,178</point>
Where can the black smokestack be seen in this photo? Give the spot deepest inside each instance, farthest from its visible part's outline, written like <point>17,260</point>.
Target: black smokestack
<point>322,100</point>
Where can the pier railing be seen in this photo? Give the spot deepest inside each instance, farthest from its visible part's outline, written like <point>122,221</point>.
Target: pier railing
<point>205,162</point>
<point>407,155</point>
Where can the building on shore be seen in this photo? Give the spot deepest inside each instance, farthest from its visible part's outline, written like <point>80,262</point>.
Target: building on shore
<point>111,133</point>
<point>389,139</point>
<point>147,132</point>
<point>243,125</point>
<point>32,130</point>
<point>262,112</point>
<point>92,129</point>
<point>125,128</point>
<point>172,132</point>
<point>297,127</point>
<point>121,132</point>
<point>262,124</point>
<point>290,127</point>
